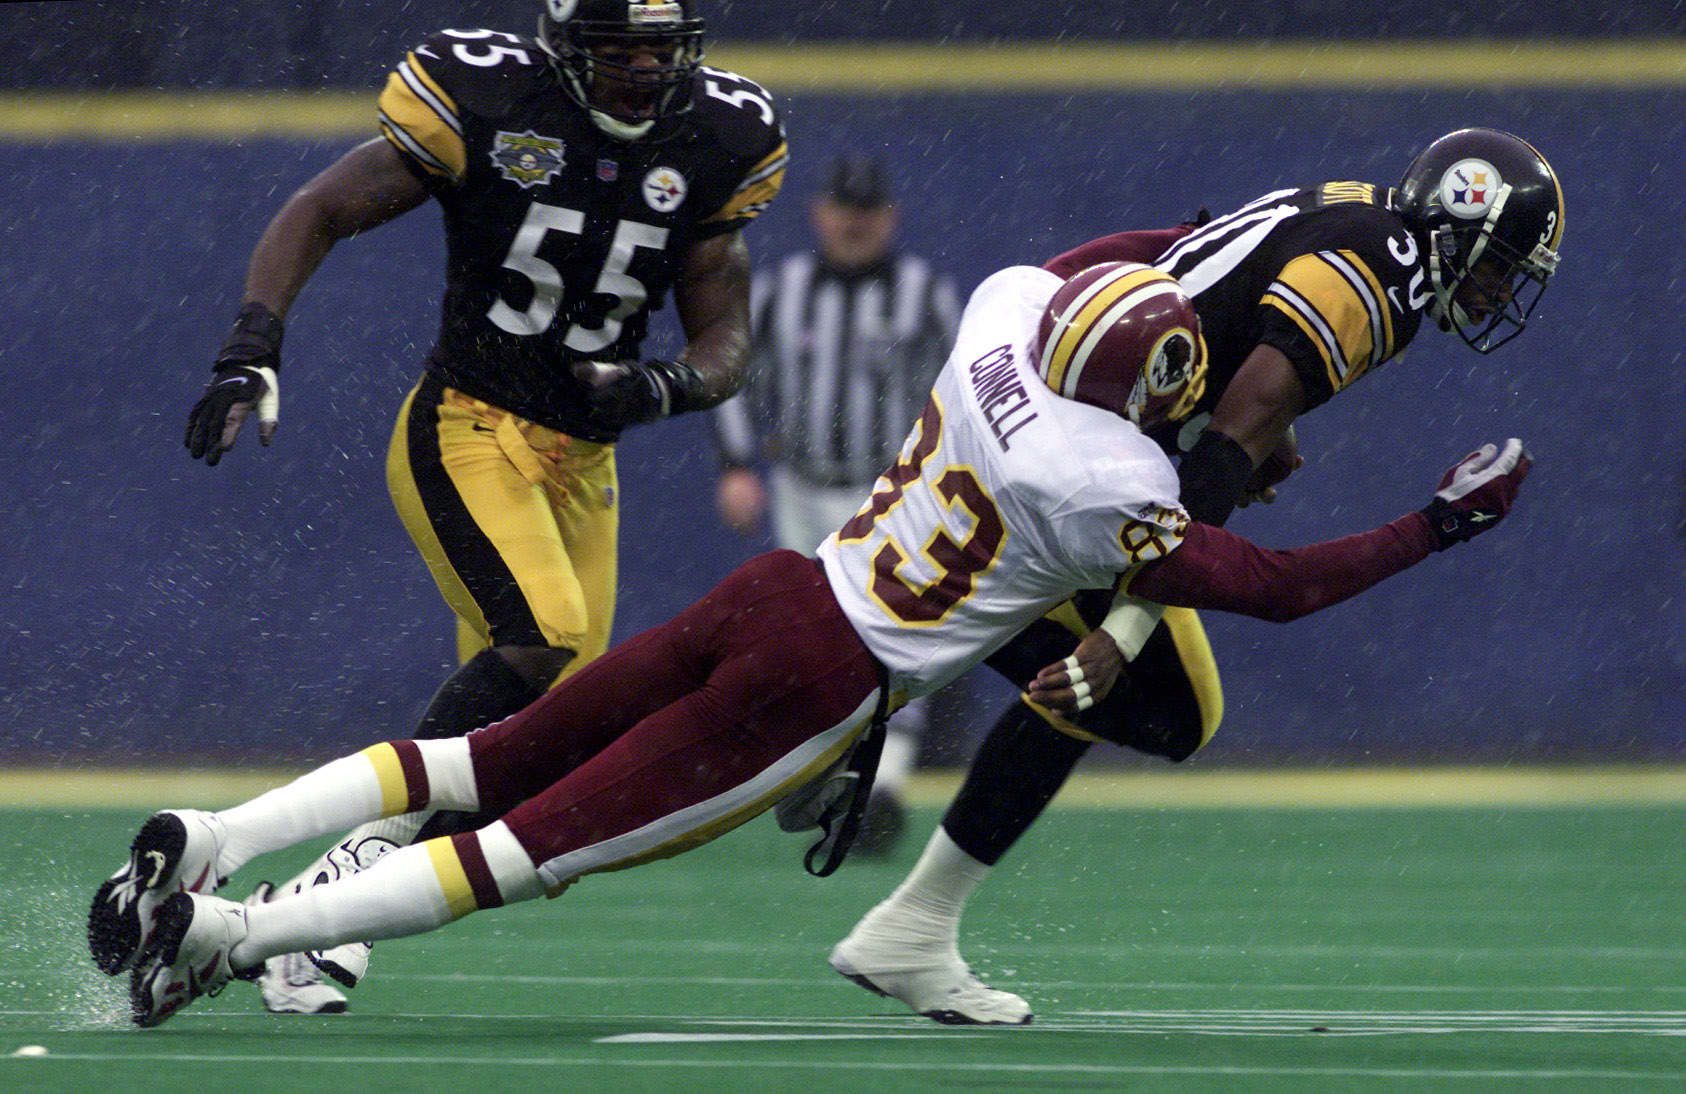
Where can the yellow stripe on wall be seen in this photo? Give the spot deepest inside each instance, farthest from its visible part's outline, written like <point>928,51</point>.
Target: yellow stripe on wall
<point>1164,786</point>
<point>889,68</point>
<point>1077,66</point>
<point>1160,786</point>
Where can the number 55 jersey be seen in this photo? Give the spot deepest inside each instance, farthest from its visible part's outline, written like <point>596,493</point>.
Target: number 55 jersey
<point>560,238</point>
<point>1006,499</point>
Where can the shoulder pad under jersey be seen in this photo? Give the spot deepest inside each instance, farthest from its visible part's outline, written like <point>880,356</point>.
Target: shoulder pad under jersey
<point>452,74</point>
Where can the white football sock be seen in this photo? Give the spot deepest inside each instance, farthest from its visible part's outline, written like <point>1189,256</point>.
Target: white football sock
<point>450,774</point>
<point>409,891</point>
<point>347,792</point>
<point>332,798</point>
<point>927,904</point>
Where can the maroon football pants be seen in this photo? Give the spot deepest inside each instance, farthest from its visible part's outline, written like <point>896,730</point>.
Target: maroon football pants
<point>685,731</point>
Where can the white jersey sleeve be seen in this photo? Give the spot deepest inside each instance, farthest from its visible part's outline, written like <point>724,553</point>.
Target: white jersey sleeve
<point>1005,500</point>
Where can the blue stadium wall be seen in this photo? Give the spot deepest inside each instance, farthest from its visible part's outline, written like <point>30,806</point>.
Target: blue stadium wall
<point>272,607</point>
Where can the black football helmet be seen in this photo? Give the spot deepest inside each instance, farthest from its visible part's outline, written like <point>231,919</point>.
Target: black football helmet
<point>1484,201</point>
<point>574,31</point>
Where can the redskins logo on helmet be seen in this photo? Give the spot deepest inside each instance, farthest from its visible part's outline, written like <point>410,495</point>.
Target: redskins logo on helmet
<point>1124,337</point>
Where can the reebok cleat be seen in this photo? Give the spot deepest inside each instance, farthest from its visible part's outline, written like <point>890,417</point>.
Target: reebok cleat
<point>174,851</point>
<point>186,957</point>
<point>290,983</point>
<point>347,963</point>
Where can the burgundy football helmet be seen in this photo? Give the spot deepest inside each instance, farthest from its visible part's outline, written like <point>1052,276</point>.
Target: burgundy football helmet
<point>1124,337</point>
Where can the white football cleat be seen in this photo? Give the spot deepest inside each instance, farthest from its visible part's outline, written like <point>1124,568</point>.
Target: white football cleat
<point>352,855</point>
<point>290,983</point>
<point>175,851</point>
<point>186,955</point>
<point>930,978</point>
<point>347,963</point>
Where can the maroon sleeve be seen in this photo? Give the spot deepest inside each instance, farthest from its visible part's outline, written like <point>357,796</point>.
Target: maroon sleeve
<point>1144,246</point>
<point>1220,571</point>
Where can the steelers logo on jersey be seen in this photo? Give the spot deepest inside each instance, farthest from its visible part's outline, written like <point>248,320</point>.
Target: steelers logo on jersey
<point>1469,188</point>
<point>664,189</point>
<point>527,158</point>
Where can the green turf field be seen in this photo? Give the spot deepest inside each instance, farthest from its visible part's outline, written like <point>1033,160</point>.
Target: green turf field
<point>1505,947</point>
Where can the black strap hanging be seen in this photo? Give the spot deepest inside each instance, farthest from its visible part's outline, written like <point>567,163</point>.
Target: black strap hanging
<point>841,825</point>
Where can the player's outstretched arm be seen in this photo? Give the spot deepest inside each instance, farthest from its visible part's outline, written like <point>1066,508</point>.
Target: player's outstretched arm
<point>1248,429</point>
<point>1218,570</point>
<point>366,187</point>
<point>1139,246</point>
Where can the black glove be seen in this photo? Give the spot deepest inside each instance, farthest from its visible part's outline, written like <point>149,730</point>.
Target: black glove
<point>628,393</point>
<point>1477,493</point>
<point>243,376</point>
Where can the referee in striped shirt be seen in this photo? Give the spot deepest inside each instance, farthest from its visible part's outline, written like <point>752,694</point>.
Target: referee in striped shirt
<point>846,344</point>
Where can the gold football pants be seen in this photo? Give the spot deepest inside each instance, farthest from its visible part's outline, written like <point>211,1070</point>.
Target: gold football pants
<point>517,522</point>
<point>1169,700</point>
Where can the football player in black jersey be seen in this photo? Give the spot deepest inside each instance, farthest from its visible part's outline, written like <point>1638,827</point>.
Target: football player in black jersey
<point>583,174</point>
<point>1299,294</point>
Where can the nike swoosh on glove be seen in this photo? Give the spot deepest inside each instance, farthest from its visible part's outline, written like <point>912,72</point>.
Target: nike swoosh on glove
<point>233,392</point>
<point>243,378</point>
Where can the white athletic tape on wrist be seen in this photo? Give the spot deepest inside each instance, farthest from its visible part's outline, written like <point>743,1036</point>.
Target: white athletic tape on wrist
<point>1130,622</point>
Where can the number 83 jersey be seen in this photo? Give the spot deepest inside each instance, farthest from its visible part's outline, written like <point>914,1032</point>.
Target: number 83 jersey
<point>561,239</point>
<point>1006,499</point>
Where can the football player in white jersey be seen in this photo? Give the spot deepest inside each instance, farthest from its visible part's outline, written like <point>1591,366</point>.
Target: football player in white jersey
<point>1300,293</point>
<point>1027,478</point>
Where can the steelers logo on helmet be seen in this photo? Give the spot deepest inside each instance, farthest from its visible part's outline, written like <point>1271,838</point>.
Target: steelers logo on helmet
<point>1469,188</point>
<point>1482,198</point>
<point>1123,337</point>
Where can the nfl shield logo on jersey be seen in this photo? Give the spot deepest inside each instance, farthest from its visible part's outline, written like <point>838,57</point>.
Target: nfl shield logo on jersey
<point>664,189</point>
<point>527,158</point>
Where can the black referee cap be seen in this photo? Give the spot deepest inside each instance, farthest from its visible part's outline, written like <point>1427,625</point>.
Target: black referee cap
<point>859,181</point>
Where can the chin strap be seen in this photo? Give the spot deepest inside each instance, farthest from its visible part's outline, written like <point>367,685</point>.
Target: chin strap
<point>626,131</point>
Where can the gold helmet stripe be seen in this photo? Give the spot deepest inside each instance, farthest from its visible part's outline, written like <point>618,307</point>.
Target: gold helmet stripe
<point>1556,239</point>
<point>1088,318</point>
